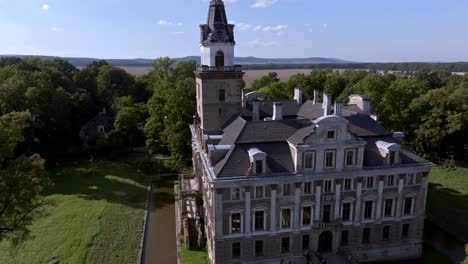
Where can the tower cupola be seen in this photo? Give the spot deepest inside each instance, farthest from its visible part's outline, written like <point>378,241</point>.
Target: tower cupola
<point>217,37</point>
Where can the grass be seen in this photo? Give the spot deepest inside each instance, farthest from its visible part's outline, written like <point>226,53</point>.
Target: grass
<point>194,257</point>
<point>447,204</point>
<point>90,219</point>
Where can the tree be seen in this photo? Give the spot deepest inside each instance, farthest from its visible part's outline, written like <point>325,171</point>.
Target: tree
<point>278,91</point>
<point>266,80</point>
<point>130,120</point>
<point>466,259</point>
<point>113,82</point>
<point>334,85</point>
<point>22,180</point>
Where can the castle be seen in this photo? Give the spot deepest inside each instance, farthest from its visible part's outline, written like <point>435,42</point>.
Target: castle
<point>280,181</point>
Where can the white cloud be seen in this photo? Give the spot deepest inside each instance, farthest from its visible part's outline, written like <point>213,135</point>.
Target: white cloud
<point>243,26</point>
<point>169,23</point>
<point>178,33</point>
<point>263,3</point>
<point>231,1</point>
<point>278,28</point>
<point>257,28</point>
<point>257,43</point>
<point>45,7</point>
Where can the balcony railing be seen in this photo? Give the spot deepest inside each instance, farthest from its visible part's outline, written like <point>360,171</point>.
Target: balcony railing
<point>331,224</point>
<point>204,68</point>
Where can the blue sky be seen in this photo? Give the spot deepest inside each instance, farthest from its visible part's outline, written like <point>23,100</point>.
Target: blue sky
<point>358,30</point>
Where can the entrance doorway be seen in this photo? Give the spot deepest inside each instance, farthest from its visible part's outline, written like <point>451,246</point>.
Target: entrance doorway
<point>326,242</point>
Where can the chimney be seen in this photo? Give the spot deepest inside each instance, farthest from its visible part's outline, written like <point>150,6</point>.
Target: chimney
<point>316,96</point>
<point>362,102</point>
<point>255,110</point>
<point>327,104</point>
<point>366,106</point>
<point>338,109</point>
<point>244,101</point>
<point>298,95</point>
<point>277,111</point>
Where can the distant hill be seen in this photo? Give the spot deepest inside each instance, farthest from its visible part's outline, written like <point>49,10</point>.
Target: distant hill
<point>80,62</point>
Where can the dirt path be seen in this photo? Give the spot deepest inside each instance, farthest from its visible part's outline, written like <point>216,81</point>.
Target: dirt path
<point>160,247</point>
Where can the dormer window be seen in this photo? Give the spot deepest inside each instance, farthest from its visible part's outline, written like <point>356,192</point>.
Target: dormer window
<point>101,129</point>
<point>389,151</point>
<point>392,157</point>
<point>258,161</point>
<point>331,134</point>
<point>258,166</point>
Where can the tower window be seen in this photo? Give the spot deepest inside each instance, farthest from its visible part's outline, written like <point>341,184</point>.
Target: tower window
<point>220,59</point>
<point>222,95</point>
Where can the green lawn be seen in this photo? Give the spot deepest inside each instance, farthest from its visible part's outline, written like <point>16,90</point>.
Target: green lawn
<point>194,257</point>
<point>447,204</point>
<point>90,219</point>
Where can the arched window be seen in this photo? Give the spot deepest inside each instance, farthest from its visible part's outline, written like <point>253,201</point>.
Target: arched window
<point>220,59</point>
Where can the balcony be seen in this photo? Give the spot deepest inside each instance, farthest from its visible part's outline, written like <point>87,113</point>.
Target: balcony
<point>215,69</point>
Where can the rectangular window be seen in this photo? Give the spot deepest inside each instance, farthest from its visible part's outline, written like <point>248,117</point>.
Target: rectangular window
<point>346,212</point>
<point>222,95</point>
<point>392,157</point>
<point>259,220</point>
<point>347,184</point>
<point>344,237</point>
<point>350,157</point>
<point>305,242</point>
<point>329,159</point>
<point>386,233</point>
<point>259,192</point>
<point>258,166</point>
<point>285,245</point>
<point>307,187</point>
<point>306,215</point>
<point>370,182</point>
<point>408,210</point>
<point>327,186</point>
<point>286,218</point>
<point>235,194</point>
<point>366,235</point>
<point>236,223</point>
<point>309,160</point>
<point>405,231</point>
<point>286,189</point>
<point>388,208</point>
<point>236,250</point>
<point>326,213</point>
<point>258,248</point>
<point>390,180</point>
<point>368,209</point>
<point>331,134</point>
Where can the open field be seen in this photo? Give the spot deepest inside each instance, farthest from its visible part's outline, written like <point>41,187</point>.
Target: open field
<point>91,218</point>
<point>250,75</point>
<point>447,204</point>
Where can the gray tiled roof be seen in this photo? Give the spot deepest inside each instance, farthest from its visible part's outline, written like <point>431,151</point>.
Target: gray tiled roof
<point>273,137</point>
<point>279,159</point>
<point>290,108</point>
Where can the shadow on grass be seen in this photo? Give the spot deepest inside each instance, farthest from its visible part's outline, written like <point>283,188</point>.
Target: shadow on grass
<point>448,209</point>
<point>115,182</point>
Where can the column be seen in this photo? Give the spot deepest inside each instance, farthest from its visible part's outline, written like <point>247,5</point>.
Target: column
<point>400,197</point>
<point>273,211</point>
<point>248,223</point>
<point>318,196</point>
<point>357,214</point>
<point>297,208</point>
<point>219,216</point>
<point>337,201</point>
<point>423,196</point>
<point>378,214</point>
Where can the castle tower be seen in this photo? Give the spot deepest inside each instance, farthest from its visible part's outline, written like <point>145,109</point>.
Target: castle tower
<point>219,81</point>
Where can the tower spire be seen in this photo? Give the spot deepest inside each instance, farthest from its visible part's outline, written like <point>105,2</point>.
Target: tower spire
<point>217,29</point>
